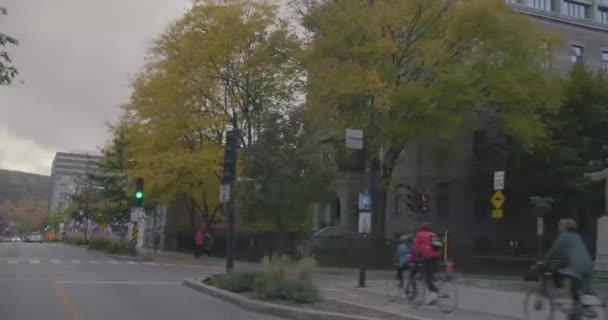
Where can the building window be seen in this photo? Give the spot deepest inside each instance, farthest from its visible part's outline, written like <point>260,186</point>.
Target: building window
<point>576,54</point>
<point>542,4</point>
<point>546,55</point>
<point>603,15</point>
<point>574,9</point>
<point>443,199</point>
<point>605,61</point>
<point>400,199</point>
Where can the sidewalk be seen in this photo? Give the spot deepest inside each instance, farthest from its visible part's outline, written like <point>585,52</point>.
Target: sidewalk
<point>479,299</point>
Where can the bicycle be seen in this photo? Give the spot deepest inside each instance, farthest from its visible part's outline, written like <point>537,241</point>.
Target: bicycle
<point>541,303</point>
<point>415,289</point>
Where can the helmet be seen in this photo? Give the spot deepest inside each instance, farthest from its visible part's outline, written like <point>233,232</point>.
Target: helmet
<point>405,238</point>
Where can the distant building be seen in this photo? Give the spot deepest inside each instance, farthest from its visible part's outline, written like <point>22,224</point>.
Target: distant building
<point>66,168</point>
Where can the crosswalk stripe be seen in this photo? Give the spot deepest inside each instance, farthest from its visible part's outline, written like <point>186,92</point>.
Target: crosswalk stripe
<point>94,261</point>
<point>75,261</point>
<point>13,261</point>
<point>34,261</point>
<point>55,261</point>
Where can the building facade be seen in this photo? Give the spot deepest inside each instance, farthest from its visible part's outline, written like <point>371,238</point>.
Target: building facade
<point>66,168</point>
<point>455,203</point>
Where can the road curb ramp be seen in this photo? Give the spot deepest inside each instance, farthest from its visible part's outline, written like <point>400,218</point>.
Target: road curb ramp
<point>268,307</point>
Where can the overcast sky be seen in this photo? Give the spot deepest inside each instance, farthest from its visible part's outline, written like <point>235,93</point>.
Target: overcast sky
<point>76,58</point>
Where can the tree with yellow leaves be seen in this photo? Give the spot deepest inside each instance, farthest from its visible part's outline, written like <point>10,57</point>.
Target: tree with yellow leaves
<point>405,70</point>
<point>224,64</point>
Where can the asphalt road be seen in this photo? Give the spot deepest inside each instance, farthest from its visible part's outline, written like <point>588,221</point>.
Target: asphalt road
<point>59,282</point>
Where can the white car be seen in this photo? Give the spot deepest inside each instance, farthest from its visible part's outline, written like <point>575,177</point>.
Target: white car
<point>15,239</point>
<point>35,237</point>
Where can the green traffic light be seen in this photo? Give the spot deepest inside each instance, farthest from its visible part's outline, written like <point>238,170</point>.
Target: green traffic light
<point>139,194</point>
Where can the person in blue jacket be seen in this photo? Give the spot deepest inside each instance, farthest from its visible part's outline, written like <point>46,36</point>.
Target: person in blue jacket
<point>402,256</point>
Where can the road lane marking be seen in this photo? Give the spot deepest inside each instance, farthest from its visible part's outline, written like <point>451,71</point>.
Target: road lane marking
<point>168,264</point>
<point>34,261</point>
<point>131,262</point>
<point>94,261</point>
<point>151,263</point>
<point>67,302</point>
<point>113,262</point>
<point>157,283</point>
<point>13,261</point>
<point>55,261</point>
<point>75,261</point>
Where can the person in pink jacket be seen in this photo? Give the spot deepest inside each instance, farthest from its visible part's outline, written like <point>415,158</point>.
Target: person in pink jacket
<point>199,241</point>
<point>425,251</point>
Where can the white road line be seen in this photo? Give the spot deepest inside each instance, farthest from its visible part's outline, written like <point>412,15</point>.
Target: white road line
<point>94,261</point>
<point>13,261</point>
<point>168,264</point>
<point>132,262</point>
<point>121,282</point>
<point>151,263</point>
<point>55,261</point>
<point>187,265</point>
<point>75,261</point>
<point>113,262</point>
<point>34,261</point>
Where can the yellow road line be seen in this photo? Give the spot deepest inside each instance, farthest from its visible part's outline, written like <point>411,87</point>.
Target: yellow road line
<point>67,302</point>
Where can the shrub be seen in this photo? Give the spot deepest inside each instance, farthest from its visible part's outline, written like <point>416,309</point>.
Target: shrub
<point>235,282</point>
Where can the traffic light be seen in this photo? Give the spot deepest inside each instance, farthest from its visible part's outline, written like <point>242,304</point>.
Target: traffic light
<point>139,192</point>
<point>417,201</point>
<point>229,170</point>
<point>424,203</point>
<point>412,198</point>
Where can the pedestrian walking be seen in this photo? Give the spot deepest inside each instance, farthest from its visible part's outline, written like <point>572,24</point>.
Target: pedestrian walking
<point>207,244</point>
<point>156,241</point>
<point>199,241</point>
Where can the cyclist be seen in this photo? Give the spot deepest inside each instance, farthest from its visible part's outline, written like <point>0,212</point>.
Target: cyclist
<point>402,256</point>
<point>575,260</point>
<point>429,254</point>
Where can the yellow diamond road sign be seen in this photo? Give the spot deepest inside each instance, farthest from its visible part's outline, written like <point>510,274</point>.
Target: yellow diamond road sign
<point>498,199</point>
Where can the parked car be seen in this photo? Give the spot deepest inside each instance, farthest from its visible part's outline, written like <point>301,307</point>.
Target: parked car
<point>16,239</point>
<point>35,237</point>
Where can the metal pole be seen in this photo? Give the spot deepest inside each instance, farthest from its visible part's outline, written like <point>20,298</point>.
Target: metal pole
<point>230,233</point>
<point>364,238</point>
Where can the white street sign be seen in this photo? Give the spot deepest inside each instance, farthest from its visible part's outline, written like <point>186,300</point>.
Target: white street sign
<point>499,180</point>
<point>134,216</point>
<point>365,222</point>
<point>540,226</point>
<point>365,202</point>
<point>224,193</point>
<point>354,139</point>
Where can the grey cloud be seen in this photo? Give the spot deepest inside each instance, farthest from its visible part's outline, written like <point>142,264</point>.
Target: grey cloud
<point>77,58</point>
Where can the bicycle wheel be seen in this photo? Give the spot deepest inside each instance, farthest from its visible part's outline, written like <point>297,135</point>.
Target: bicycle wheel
<point>393,291</point>
<point>415,292</point>
<point>537,306</point>
<point>447,296</point>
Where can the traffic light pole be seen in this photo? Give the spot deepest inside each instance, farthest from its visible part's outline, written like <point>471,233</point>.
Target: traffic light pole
<point>230,236</point>
<point>229,178</point>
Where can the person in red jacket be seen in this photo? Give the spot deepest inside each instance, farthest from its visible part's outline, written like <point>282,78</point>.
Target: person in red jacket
<point>425,251</point>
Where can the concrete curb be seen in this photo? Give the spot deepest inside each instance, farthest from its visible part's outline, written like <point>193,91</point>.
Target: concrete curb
<point>270,308</point>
